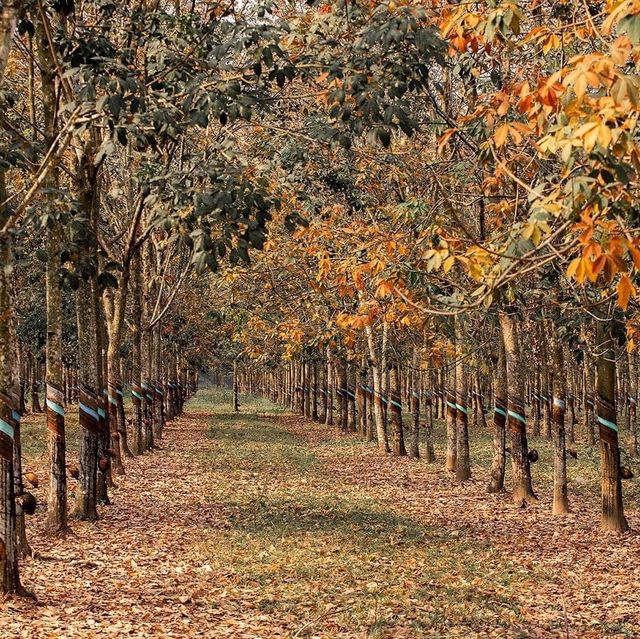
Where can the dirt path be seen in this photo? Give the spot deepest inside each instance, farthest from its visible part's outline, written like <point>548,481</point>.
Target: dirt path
<point>134,573</point>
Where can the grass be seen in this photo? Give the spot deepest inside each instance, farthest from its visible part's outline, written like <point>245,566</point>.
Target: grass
<point>325,557</point>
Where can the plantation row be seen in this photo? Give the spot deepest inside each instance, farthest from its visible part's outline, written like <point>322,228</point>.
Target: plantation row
<point>544,392</point>
<point>387,206</point>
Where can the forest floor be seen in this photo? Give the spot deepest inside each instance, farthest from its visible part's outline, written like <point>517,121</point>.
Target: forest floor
<point>262,524</point>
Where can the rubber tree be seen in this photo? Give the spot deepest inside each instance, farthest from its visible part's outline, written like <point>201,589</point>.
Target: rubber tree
<point>560,493</point>
<point>9,572</point>
<point>522,489</point>
<point>376,375</point>
<point>463,461</point>
<point>137,438</point>
<point>89,395</point>
<point>395,400</point>
<point>416,388</point>
<point>611,481</point>
<point>429,453</point>
<point>17,409</point>
<point>496,479</point>
<point>451,410</point>
<point>57,504</point>
<point>105,479</point>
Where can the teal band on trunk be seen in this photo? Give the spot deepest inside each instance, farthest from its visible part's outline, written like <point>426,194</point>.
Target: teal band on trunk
<point>6,428</point>
<point>89,411</point>
<point>56,408</point>
<point>607,423</point>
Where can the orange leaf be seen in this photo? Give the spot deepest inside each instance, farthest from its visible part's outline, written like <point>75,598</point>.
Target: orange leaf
<point>384,288</point>
<point>500,136</point>
<point>625,291</point>
<point>635,255</point>
<point>573,267</point>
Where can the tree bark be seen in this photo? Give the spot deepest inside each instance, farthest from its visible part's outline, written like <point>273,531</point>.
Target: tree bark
<point>496,480</point>
<point>8,543</point>
<point>137,440</point>
<point>560,492</point>
<point>343,398</point>
<point>395,399</point>
<point>633,402</point>
<point>452,415</point>
<point>414,448</point>
<point>463,462</point>
<point>57,504</point>
<point>612,508</point>
<point>516,421</point>
<point>104,480</point>
<point>8,20</point>
<point>376,374</point>
<point>147,352</point>
<point>156,383</point>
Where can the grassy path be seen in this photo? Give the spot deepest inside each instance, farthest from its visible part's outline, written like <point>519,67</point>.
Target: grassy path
<point>263,525</point>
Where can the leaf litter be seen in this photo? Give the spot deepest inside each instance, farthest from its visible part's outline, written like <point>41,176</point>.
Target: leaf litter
<point>257,527</point>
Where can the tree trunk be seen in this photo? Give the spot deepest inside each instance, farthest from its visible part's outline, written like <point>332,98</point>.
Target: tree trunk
<point>414,448</point>
<point>8,542</point>
<point>548,383</point>
<point>560,495</point>
<point>57,504</point>
<point>156,381</point>
<point>361,396</point>
<point>612,508</point>
<point>376,374</point>
<point>351,399</point>
<point>343,402</point>
<point>452,417</point>
<point>589,395</point>
<point>17,405</point>
<point>633,402</point>
<point>463,463</point>
<point>35,392</point>
<point>147,354</point>
<point>236,404</point>
<point>481,417</point>
<point>537,398</point>
<point>496,481</point>
<point>516,421</point>
<point>571,405</point>
<point>329,389</point>
<point>395,400</point>
<point>114,307</point>
<point>9,15</point>
<point>104,479</point>
<point>89,401</point>
<point>137,440</point>
<point>429,452</point>
<point>314,398</point>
